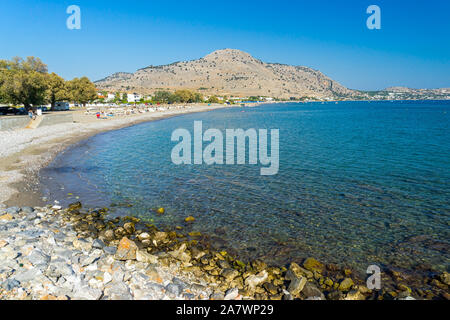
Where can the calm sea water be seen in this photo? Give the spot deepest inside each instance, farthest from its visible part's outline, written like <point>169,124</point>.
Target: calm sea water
<point>359,183</point>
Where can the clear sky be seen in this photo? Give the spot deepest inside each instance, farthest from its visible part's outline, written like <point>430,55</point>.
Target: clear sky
<point>411,49</point>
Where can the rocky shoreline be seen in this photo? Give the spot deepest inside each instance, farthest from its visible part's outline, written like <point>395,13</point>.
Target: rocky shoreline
<point>51,253</point>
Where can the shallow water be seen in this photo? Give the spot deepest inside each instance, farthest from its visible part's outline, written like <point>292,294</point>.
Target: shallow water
<point>359,183</point>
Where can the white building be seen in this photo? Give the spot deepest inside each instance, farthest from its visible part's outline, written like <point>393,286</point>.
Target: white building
<point>110,97</point>
<point>133,97</point>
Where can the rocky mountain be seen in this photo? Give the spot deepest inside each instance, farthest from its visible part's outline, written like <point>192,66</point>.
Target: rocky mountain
<point>229,72</point>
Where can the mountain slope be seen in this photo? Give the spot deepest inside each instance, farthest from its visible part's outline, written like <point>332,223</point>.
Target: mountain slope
<point>229,72</point>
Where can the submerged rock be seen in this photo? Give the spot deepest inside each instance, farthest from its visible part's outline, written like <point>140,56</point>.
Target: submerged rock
<point>346,284</point>
<point>160,236</point>
<point>354,295</point>
<point>313,265</point>
<point>180,254</point>
<point>255,280</point>
<point>445,278</point>
<point>229,274</point>
<point>143,236</point>
<point>311,291</point>
<point>74,206</point>
<point>335,295</point>
<point>270,288</point>
<point>297,285</point>
<point>295,271</point>
<point>129,227</point>
<point>258,265</point>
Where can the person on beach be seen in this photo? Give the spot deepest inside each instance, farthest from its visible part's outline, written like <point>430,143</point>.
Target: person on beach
<point>31,114</point>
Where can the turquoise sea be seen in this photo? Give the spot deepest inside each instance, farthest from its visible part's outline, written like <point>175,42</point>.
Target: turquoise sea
<point>359,183</point>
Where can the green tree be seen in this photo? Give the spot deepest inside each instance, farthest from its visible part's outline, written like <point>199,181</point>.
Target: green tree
<point>82,90</point>
<point>198,98</point>
<point>163,96</point>
<point>173,98</point>
<point>3,66</point>
<point>124,97</point>
<point>57,89</point>
<point>23,81</point>
<point>184,96</point>
<point>116,97</point>
<point>213,99</point>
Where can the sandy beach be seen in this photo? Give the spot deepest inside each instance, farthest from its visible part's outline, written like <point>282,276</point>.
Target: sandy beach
<point>24,151</point>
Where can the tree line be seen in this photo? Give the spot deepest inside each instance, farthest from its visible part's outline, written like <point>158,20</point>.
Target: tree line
<point>182,96</point>
<point>27,82</point>
<point>162,96</point>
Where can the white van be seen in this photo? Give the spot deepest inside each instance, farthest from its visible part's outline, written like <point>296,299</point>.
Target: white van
<point>61,106</point>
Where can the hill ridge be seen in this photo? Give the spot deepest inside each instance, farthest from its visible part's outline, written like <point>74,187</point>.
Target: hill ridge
<point>229,72</point>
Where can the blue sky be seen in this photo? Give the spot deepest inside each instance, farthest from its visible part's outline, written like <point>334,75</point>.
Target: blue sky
<point>411,49</point>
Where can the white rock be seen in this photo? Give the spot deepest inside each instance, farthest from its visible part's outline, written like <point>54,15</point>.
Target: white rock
<point>96,284</point>
<point>130,265</point>
<point>144,236</point>
<point>254,280</point>
<point>41,214</point>
<point>107,277</point>
<point>231,294</point>
<point>51,241</point>
<point>82,244</point>
<point>92,267</point>
<point>146,257</point>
